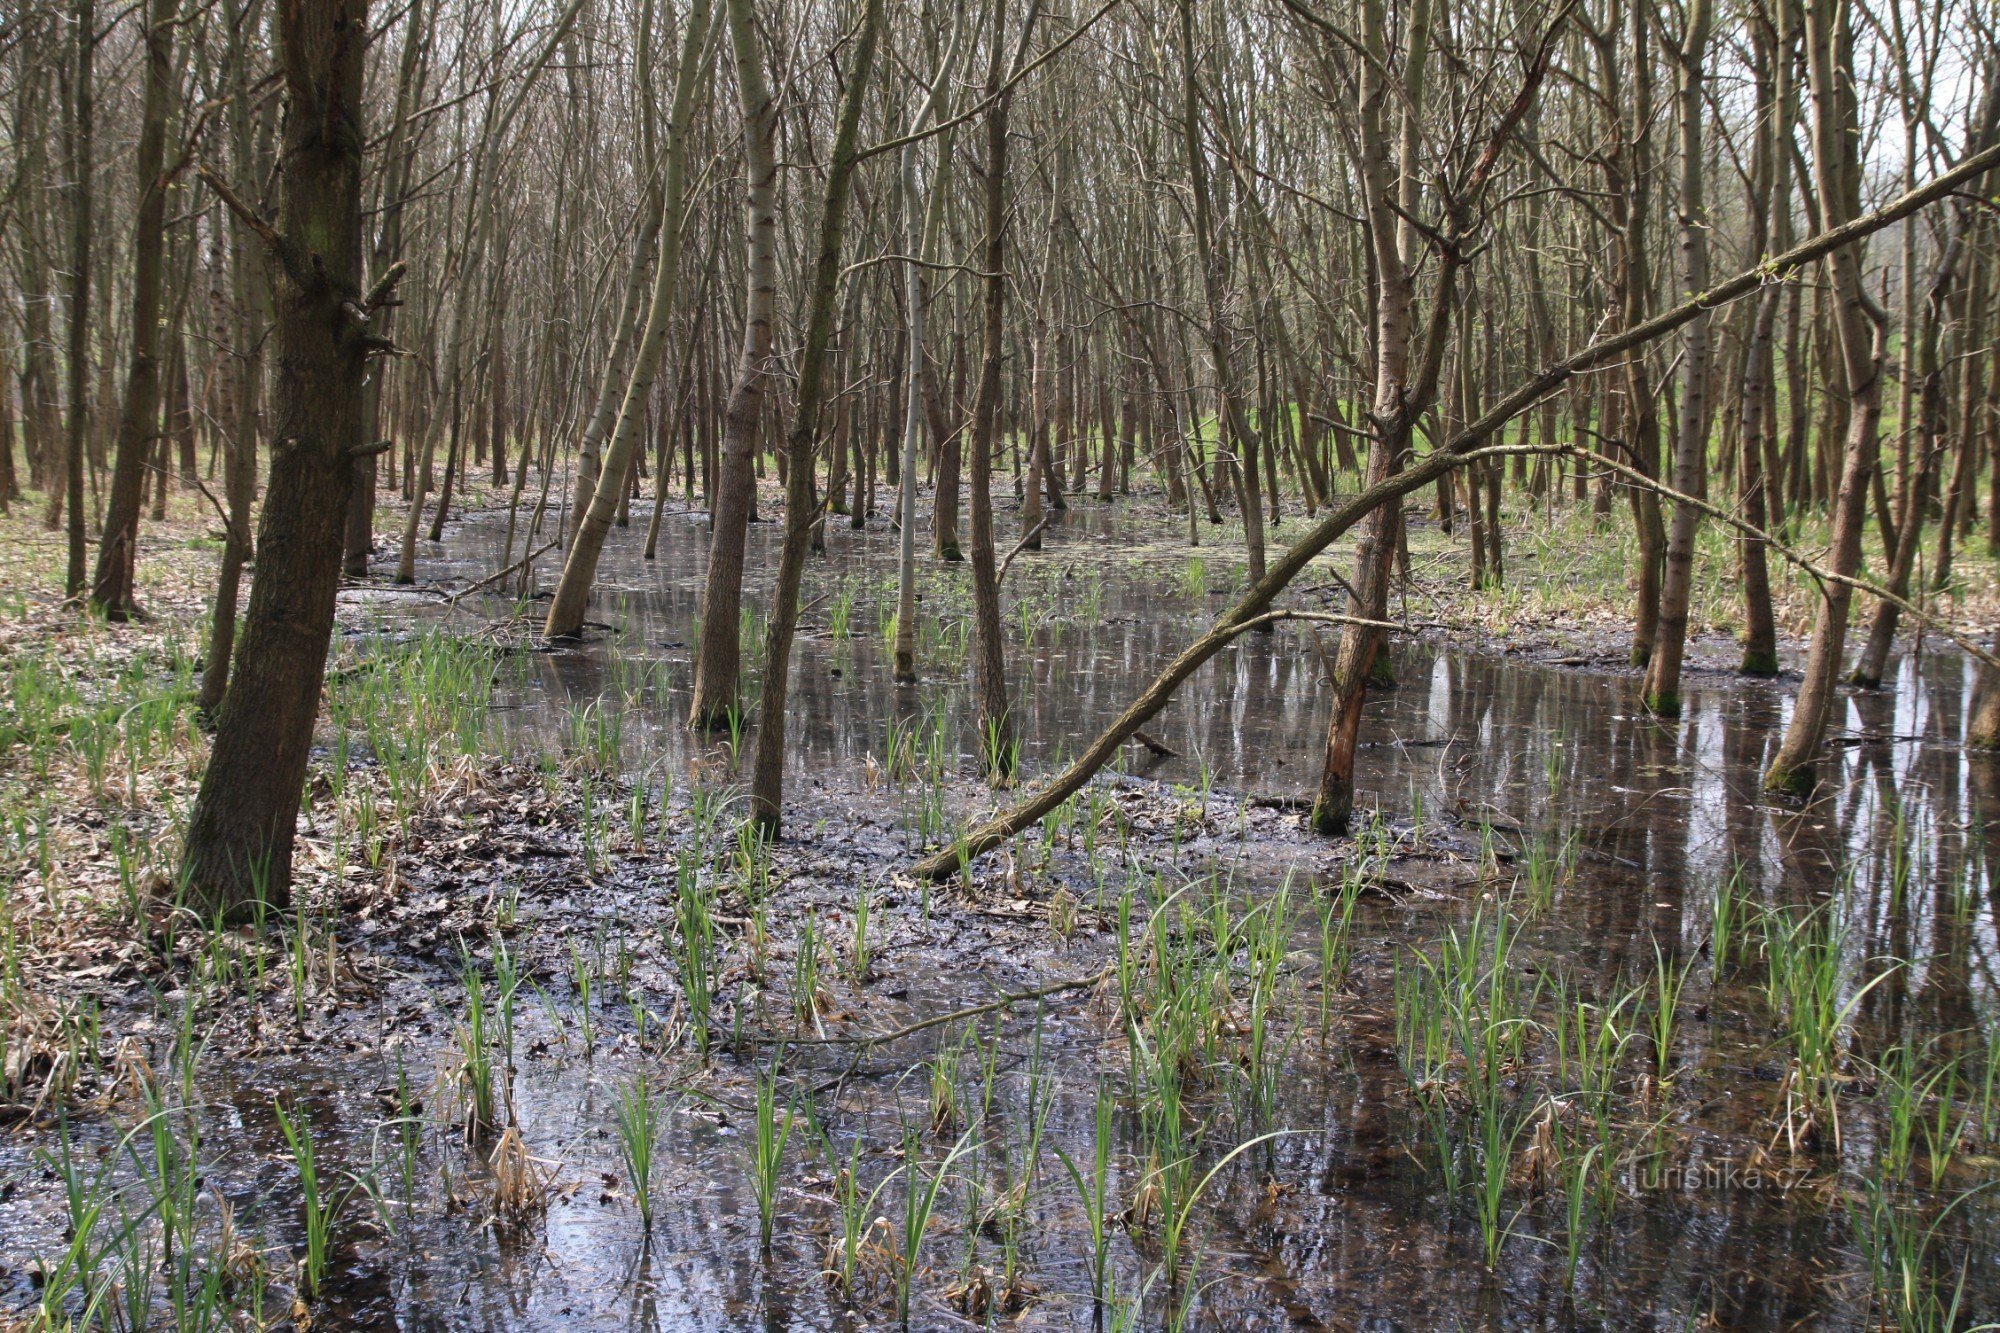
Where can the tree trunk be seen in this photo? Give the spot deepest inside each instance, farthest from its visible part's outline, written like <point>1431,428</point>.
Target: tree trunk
<point>719,653</point>
<point>920,230</point>
<point>1859,334</point>
<point>1923,364</point>
<point>398,162</point>
<point>1395,409</point>
<point>78,143</point>
<point>572,593</point>
<point>240,835</point>
<point>1661,693</point>
<point>801,504</point>
<point>997,751</point>
<point>112,592</point>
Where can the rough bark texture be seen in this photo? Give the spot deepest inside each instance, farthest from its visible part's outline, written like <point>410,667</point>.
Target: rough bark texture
<point>239,843</point>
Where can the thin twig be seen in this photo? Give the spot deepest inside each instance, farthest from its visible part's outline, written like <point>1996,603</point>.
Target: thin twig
<point>490,579</point>
<point>1019,547</point>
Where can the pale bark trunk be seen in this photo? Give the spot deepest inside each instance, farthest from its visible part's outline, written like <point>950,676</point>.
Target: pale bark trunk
<point>572,593</point>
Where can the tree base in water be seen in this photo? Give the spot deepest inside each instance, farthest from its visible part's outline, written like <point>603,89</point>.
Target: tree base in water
<point>1758,662</point>
<point>1331,815</point>
<point>1797,783</point>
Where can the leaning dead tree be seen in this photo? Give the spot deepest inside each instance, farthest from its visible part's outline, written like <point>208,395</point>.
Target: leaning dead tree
<point>1466,448</point>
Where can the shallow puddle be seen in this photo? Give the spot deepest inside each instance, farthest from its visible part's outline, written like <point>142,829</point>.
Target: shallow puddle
<point>1502,790</point>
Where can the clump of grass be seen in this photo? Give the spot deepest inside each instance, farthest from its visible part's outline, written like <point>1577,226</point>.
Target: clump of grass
<point>857,949</point>
<point>476,1056</point>
<point>807,994</point>
<point>75,1277</point>
<point>1668,983</point>
<point>1808,988</point>
<point>1336,934</point>
<point>854,1207</point>
<point>767,1155</point>
<point>321,1206</point>
<point>1729,908</point>
<point>694,918</point>
<point>583,978</point>
<point>1574,1163</point>
<point>1093,1191</point>
<point>638,1116</point>
<point>920,1198</point>
<point>1901,1248</point>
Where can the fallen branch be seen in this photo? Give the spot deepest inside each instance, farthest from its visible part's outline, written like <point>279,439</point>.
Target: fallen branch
<point>1459,450</point>
<point>492,579</point>
<point>946,863</point>
<point>1019,547</point>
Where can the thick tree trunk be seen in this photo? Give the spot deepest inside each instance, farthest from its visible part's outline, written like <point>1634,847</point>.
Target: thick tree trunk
<point>240,835</point>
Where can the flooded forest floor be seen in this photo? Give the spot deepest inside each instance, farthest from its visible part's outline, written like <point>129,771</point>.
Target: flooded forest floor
<point>1576,1030</point>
